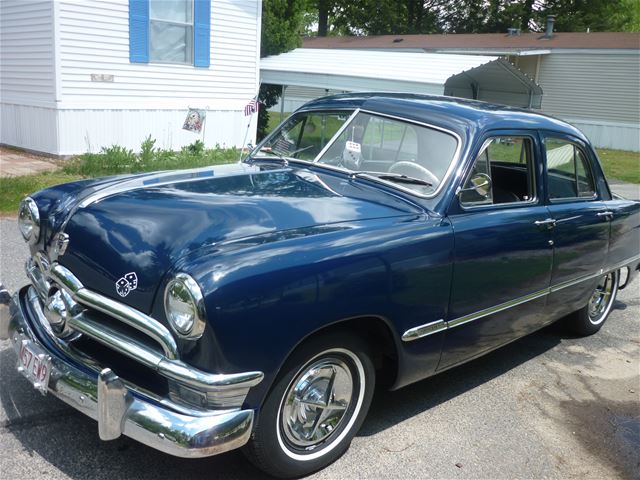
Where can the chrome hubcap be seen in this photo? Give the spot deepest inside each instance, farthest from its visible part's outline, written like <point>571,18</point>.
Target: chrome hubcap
<point>317,402</point>
<point>601,298</point>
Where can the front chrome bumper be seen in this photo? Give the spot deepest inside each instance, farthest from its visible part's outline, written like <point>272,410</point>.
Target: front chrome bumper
<point>118,410</point>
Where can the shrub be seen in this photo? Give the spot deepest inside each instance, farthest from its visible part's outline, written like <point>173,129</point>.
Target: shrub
<point>116,159</point>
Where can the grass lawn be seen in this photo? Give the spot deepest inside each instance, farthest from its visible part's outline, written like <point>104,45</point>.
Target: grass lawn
<point>620,165</point>
<point>111,161</point>
<point>14,189</point>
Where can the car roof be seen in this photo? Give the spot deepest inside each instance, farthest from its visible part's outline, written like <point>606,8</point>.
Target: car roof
<point>457,114</point>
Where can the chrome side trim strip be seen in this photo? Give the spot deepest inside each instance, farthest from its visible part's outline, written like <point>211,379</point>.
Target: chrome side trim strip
<point>496,308</point>
<point>575,281</point>
<point>424,330</point>
<point>623,263</point>
<point>440,325</point>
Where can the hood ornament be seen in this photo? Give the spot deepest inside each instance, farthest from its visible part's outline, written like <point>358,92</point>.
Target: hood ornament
<point>126,284</point>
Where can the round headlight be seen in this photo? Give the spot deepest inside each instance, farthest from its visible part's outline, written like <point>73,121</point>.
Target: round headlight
<point>184,306</point>
<point>29,220</point>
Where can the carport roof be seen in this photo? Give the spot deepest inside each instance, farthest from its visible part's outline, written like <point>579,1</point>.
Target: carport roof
<point>359,71</point>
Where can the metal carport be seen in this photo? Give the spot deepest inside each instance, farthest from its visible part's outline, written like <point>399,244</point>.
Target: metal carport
<point>488,78</point>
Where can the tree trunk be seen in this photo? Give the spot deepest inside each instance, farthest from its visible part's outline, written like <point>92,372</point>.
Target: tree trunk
<point>323,18</point>
<point>526,15</point>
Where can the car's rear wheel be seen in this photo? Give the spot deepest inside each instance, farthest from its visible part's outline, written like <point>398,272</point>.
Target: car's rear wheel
<point>315,408</point>
<point>589,319</point>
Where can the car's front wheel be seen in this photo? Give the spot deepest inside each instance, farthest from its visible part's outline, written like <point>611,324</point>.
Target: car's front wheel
<point>589,319</point>
<point>315,408</point>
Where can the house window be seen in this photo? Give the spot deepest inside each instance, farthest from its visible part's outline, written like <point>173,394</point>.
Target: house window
<point>171,31</point>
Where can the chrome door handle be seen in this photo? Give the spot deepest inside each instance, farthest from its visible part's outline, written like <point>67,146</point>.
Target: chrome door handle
<point>605,214</point>
<point>547,222</point>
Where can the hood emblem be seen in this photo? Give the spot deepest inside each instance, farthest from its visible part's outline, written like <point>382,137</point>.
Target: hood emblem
<point>126,284</point>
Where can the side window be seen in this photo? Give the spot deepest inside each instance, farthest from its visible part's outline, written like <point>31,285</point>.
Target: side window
<point>504,171</point>
<point>569,174</point>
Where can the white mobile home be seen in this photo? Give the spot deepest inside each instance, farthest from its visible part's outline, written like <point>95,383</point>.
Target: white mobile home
<point>76,75</point>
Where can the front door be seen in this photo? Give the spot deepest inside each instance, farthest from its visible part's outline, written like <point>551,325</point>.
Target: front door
<point>582,224</point>
<point>503,251</point>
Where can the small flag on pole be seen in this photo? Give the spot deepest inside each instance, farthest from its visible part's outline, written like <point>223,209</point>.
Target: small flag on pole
<point>251,107</point>
<point>195,120</point>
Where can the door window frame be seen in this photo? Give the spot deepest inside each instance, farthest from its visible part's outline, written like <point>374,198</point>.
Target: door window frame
<point>537,171</point>
<point>586,153</point>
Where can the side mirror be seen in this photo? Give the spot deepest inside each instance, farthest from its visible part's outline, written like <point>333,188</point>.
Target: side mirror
<point>480,184</point>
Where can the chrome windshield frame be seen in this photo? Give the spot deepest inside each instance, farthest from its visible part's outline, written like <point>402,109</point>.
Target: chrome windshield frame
<point>455,160</point>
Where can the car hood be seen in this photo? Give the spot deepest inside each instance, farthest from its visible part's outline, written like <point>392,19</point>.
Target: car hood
<point>144,227</point>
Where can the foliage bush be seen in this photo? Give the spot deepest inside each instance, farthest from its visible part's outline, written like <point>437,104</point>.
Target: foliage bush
<point>116,159</point>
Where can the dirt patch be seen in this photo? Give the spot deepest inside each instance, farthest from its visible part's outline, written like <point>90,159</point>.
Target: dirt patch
<point>609,430</point>
<point>587,409</point>
<point>14,162</point>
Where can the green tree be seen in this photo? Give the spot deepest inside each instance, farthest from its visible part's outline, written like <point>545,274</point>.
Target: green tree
<point>379,17</point>
<point>375,17</point>
<point>596,15</point>
<point>282,28</point>
<point>631,9</point>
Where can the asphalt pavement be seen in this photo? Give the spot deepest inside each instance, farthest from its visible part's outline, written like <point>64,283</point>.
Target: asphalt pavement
<point>547,406</point>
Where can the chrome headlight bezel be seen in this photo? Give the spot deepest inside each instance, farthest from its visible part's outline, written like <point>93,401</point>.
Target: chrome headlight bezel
<point>183,289</point>
<point>29,220</point>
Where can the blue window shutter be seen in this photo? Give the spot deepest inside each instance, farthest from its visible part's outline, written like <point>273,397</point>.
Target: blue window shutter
<point>139,31</point>
<point>202,33</point>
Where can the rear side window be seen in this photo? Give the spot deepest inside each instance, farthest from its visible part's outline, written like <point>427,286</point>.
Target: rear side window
<point>569,172</point>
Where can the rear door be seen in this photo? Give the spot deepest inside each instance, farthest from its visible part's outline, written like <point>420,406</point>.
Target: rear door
<point>503,255</point>
<point>581,223</point>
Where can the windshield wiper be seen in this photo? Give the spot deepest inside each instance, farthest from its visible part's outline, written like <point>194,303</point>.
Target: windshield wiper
<point>395,177</point>
<point>273,153</point>
<point>284,158</point>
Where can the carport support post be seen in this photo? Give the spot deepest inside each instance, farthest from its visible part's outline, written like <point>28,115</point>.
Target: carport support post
<point>284,89</point>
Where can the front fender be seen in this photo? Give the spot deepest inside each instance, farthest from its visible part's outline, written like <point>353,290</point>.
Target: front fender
<point>265,296</point>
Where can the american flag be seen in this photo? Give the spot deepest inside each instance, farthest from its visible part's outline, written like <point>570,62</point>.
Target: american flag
<point>251,107</point>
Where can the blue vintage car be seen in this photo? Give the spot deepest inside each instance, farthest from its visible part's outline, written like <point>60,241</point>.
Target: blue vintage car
<point>370,239</point>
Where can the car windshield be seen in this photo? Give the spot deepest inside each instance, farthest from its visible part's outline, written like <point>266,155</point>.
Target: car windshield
<point>406,154</point>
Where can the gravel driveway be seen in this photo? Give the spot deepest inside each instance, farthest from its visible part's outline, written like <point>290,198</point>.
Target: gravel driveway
<point>547,406</point>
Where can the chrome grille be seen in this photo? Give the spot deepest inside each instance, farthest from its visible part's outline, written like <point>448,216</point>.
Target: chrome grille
<point>80,316</point>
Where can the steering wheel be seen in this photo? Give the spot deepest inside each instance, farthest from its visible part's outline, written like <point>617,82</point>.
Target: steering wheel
<point>415,170</point>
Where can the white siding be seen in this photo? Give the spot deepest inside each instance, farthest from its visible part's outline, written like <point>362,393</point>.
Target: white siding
<point>619,136</point>
<point>599,93</point>
<point>94,39</point>
<point>89,130</point>
<point>27,74</point>
<point>29,127</point>
<point>593,87</point>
